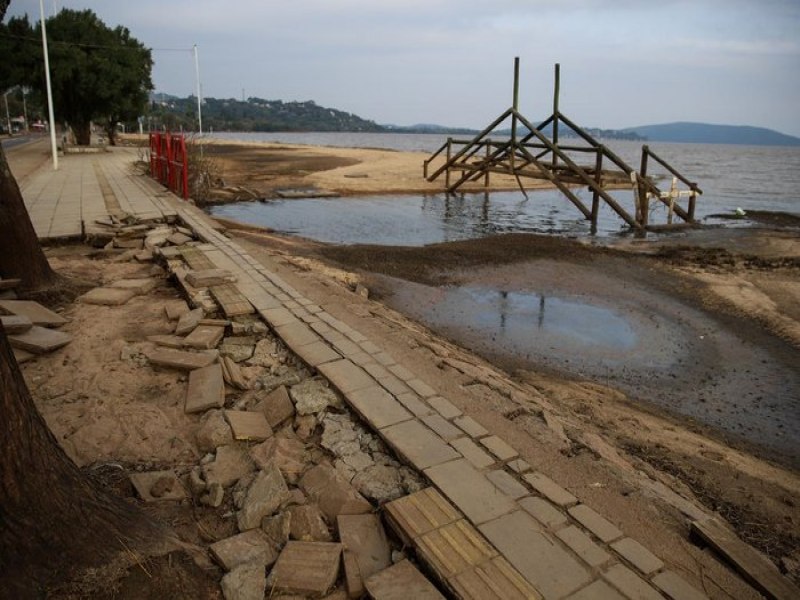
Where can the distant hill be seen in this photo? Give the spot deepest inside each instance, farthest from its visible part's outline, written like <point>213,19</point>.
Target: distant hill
<point>706,133</point>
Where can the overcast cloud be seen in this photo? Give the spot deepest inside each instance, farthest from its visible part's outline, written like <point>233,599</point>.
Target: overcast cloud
<point>623,62</point>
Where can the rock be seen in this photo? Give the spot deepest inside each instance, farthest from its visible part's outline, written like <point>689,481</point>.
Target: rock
<point>230,465</point>
<point>263,354</point>
<point>237,348</point>
<point>287,453</point>
<point>213,496</point>
<point>267,492</point>
<point>308,568</point>
<point>188,321</point>
<point>402,580</point>
<point>178,239</point>
<point>278,528</point>
<point>296,498</point>
<point>245,582</point>
<point>358,461</point>
<point>204,337</point>
<point>362,291</point>
<point>250,546</point>
<point>197,485</point>
<point>304,425</point>
<point>276,406</point>
<point>175,309</point>
<point>214,431</point>
<point>335,496</point>
<point>206,389</point>
<point>412,482</point>
<point>162,486</point>
<point>307,524</point>
<point>313,396</point>
<point>366,549</point>
<point>248,425</point>
<point>164,483</point>
<point>232,373</point>
<point>139,286</point>
<point>379,483</point>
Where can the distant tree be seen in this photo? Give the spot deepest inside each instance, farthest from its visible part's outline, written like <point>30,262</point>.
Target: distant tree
<point>97,73</point>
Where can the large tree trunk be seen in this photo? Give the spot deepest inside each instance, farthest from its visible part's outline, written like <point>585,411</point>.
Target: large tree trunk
<point>21,256</point>
<point>54,521</point>
<point>83,133</point>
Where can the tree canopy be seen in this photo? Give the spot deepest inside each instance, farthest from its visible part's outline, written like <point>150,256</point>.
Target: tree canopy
<point>97,73</point>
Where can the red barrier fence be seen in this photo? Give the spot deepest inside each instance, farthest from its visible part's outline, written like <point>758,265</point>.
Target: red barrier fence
<point>169,162</point>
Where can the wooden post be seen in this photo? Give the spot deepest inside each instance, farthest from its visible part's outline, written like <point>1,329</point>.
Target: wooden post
<point>515,107</point>
<point>486,165</point>
<point>643,198</point>
<point>598,177</point>
<point>692,200</point>
<point>447,162</point>
<point>556,92</point>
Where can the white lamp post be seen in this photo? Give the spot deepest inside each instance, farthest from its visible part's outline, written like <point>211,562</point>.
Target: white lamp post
<point>49,90</point>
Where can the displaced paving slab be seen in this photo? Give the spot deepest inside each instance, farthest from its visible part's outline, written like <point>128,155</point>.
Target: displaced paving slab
<point>277,406</point>
<point>107,296</point>
<point>250,546</point>
<point>140,286</point>
<point>418,445</point>
<point>15,323</point>
<point>176,309</point>
<point>401,582</point>
<point>345,376</point>
<point>232,302</point>
<point>22,356</point>
<point>208,277</point>
<point>178,359</point>
<point>204,337</point>
<point>39,340</point>
<point>366,549</point>
<point>231,463</point>
<point>377,406</point>
<point>38,314</point>
<point>251,426</point>
<point>188,321</point>
<point>309,568</point>
<point>265,495</point>
<point>206,389</point>
<point>168,341</point>
<point>156,486</point>
<point>335,496</point>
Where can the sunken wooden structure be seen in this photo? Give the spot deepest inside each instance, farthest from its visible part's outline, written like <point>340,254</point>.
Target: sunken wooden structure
<point>530,152</point>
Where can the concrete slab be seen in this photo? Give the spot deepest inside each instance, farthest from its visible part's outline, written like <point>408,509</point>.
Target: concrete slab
<point>545,564</point>
<point>15,323</point>
<point>345,376</point>
<point>22,356</point>
<point>416,514</point>
<point>107,296</point>
<point>583,546</point>
<point>39,340</point>
<point>377,406</point>
<point>630,584</point>
<point>544,512</point>
<point>250,546</point>
<point>206,389</point>
<point>598,590</point>
<point>639,556</point>
<point>412,402</point>
<point>158,485</point>
<point>401,582</point>
<point>232,302</point>
<point>444,407</point>
<point>204,337</point>
<point>251,426</point>
<point>188,321</point>
<point>309,568</point>
<point>317,353</point>
<point>507,484</point>
<point>176,309</point>
<point>418,445</point>
<point>38,314</point>
<point>550,490</point>
<point>473,453</point>
<point>470,491</point>
<point>265,495</point>
<point>297,334</point>
<point>178,359</point>
<point>140,286</point>
<point>499,448</point>
<point>594,522</point>
<point>454,548</point>
<point>208,277</point>
<point>277,406</point>
<point>470,426</point>
<point>675,586</point>
<point>444,429</point>
<point>366,549</point>
<point>277,317</point>
<point>335,496</point>
<point>168,341</point>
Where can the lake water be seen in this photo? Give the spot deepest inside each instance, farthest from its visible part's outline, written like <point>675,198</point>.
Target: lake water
<point>750,177</point>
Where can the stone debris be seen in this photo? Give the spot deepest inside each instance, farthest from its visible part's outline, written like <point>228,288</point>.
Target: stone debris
<point>204,337</point>
<point>334,495</point>
<point>306,568</point>
<point>366,549</point>
<point>22,356</point>
<point>248,425</point>
<point>188,321</point>
<point>158,485</point>
<point>178,239</point>
<point>16,323</point>
<point>237,348</point>
<point>232,374</point>
<point>277,406</point>
<point>278,528</point>
<point>208,277</point>
<point>177,359</point>
<point>313,396</point>
<point>287,453</point>
<point>168,341</point>
<point>214,432</point>
<point>265,495</point>
<point>139,286</point>
<point>176,309</point>
<point>206,389</point>
<point>245,582</point>
<point>108,296</point>
<point>250,546</point>
<point>400,582</point>
<point>307,524</point>
<point>39,340</point>
<point>231,463</point>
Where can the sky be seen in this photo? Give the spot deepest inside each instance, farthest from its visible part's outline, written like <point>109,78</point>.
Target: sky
<point>623,63</point>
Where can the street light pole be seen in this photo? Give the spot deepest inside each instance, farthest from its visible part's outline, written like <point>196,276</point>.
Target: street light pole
<point>25,109</point>
<point>8,116</point>
<point>199,99</point>
<point>50,112</point>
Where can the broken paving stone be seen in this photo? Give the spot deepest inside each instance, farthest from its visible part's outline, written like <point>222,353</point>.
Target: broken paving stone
<point>232,374</point>
<point>213,496</point>
<point>277,528</point>
<point>208,277</point>
<point>265,495</point>
<point>139,286</point>
<point>287,453</point>
<point>38,314</point>
<point>237,348</point>
<point>379,483</point>
<point>168,341</point>
<point>399,582</point>
<point>175,310</point>
<point>178,239</point>
<point>188,321</point>
<point>246,582</point>
<point>22,356</point>
<point>214,432</point>
<point>107,296</point>
<point>313,396</point>
<point>144,256</point>
<point>309,568</point>
<point>15,323</point>
<point>307,524</point>
<point>304,426</point>
<point>204,337</point>
<point>206,389</point>
<point>263,354</point>
<point>248,425</point>
<point>178,359</point>
<point>39,340</point>
<point>250,546</point>
<point>366,549</point>
<point>232,462</point>
<point>197,484</point>
<point>335,496</point>
<point>164,483</point>
<point>276,406</point>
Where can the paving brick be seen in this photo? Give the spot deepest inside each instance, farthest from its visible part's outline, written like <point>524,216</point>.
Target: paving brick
<point>547,566</point>
<point>309,568</point>
<point>345,376</point>
<point>277,406</point>
<point>231,301</point>
<point>39,340</point>
<point>317,353</point>
<point>470,491</point>
<point>444,429</point>
<point>250,546</point>
<point>206,389</point>
<point>421,388</point>
<point>347,348</point>
<point>507,484</point>
<point>544,512</point>
<point>416,514</point>
<point>168,341</point>
<point>204,337</point>
<point>251,426</point>
<point>207,277</point>
<point>630,584</point>
<point>639,556</point>
<point>519,466</point>
<point>470,426</point>
<point>177,359</point>
<point>401,582</point>
<point>362,359</point>
<point>107,296</point>
<point>395,385</point>
<point>321,327</point>
<point>175,310</point>
<point>444,407</point>
<point>499,448</point>
<point>366,549</point>
<point>676,587</point>
<point>583,546</point>
<point>598,590</point>
<point>377,406</point>
<point>473,453</point>
<point>494,579</point>
<point>382,358</point>
<point>418,445</point>
<point>454,548</point>
<point>188,321</point>
<point>38,314</point>
<point>139,286</point>
<point>401,372</point>
<point>375,370</point>
<point>598,525</point>
<point>412,402</point>
<point>371,348</point>
<point>297,334</point>
<point>550,490</point>
<point>263,300</point>
<point>277,317</point>
<point>335,496</point>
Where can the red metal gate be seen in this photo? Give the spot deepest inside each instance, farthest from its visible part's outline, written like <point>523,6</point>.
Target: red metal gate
<point>169,162</point>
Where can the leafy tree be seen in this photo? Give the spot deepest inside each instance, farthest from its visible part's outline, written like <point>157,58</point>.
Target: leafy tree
<point>97,73</point>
